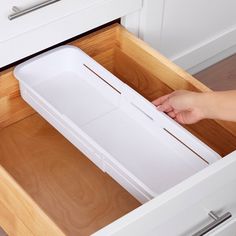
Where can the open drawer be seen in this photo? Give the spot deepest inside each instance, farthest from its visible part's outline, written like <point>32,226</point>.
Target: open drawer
<point>115,127</point>
<point>55,187</point>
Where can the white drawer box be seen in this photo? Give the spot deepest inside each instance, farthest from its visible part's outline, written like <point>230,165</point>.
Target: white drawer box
<point>53,23</point>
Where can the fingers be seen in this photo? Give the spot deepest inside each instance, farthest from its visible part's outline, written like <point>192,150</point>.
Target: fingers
<point>163,104</point>
<point>165,107</point>
<point>171,114</point>
<point>186,117</point>
<point>160,100</point>
<point>180,106</point>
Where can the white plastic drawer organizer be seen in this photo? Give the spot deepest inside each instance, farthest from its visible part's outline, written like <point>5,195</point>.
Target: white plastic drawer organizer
<point>121,132</point>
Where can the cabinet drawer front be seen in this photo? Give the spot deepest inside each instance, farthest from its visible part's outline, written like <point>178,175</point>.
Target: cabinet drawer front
<point>31,20</point>
<point>36,17</point>
<point>48,22</point>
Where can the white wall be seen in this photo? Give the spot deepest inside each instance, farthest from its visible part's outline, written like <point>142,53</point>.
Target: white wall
<point>192,33</point>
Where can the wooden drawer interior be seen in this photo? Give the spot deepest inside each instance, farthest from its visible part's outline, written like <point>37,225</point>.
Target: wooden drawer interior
<point>152,75</point>
<point>72,192</point>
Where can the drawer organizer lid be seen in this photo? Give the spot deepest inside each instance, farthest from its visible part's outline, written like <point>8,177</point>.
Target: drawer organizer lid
<point>120,131</point>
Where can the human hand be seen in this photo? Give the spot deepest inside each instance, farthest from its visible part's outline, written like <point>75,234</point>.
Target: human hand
<point>183,106</point>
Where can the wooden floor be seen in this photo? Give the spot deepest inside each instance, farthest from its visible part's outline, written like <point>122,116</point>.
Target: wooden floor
<point>221,76</point>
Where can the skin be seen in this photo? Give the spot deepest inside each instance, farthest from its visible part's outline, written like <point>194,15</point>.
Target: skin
<point>188,107</point>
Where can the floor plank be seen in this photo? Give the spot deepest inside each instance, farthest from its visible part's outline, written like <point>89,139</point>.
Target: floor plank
<point>221,76</point>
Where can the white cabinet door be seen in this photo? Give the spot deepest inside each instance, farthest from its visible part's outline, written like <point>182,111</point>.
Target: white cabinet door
<point>53,23</point>
<point>189,32</point>
<point>184,209</point>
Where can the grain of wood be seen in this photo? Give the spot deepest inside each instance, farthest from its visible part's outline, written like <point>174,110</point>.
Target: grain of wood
<point>11,224</point>
<point>12,107</point>
<point>70,189</point>
<point>158,65</point>
<point>138,77</point>
<point>18,207</point>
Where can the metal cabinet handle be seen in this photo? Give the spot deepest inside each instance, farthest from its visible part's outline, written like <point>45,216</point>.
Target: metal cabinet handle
<point>20,12</point>
<point>217,221</point>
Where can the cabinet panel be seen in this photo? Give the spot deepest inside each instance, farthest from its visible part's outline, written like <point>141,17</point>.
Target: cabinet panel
<point>188,23</point>
<point>54,23</point>
<point>194,34</point>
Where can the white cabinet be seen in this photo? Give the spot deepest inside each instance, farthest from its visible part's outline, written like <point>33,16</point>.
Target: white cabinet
<point>32,20</point>
<point>54,23</point>
<point>184,209</point>
<point>194,34</point>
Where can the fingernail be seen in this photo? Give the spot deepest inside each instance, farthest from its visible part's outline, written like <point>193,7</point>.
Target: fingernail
<point>159,108</point>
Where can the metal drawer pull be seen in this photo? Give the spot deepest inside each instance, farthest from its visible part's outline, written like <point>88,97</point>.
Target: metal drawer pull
<point>20,12</point>
<point>217,221</point>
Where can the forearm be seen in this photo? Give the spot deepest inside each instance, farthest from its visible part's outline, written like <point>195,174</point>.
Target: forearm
<point>219,105</point>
